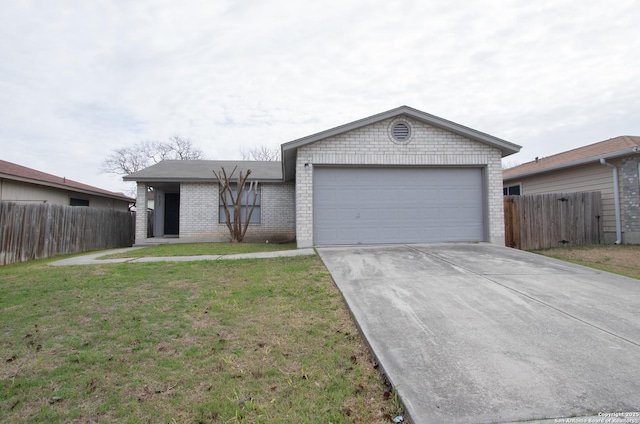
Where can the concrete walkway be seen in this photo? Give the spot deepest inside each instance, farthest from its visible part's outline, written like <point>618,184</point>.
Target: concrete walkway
<point>93,258</point>
<point>476,333</point>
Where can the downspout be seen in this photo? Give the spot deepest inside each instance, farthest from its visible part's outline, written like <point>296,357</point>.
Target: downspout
<point>616,199</point>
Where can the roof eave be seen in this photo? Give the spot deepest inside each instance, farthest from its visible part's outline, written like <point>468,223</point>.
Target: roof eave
<point>190,180</point>
<point>579,162</point>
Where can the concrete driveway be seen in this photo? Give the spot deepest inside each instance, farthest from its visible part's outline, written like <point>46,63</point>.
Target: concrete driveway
<point>476,333</point>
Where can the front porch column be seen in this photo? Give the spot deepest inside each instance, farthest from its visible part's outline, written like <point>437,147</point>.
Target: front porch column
<point>141,213</point>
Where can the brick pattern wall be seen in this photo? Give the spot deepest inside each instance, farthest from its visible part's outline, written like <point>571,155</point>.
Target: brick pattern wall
<point>278,212</point>
<point>630,198</point>
<point>372,145</point>
<point>199,210</point>
<point>141,212</point>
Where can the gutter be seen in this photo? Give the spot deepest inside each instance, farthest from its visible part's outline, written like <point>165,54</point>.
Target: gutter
<point>616,199</point>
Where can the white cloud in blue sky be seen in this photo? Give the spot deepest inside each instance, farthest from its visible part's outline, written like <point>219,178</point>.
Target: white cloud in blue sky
<point>78,79</point>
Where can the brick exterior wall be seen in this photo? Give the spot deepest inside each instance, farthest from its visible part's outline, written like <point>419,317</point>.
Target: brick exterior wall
<point>630,198</point>
<point>199,209</point>
<point>372,145</point>
<point>278,212</point>
<point>141,212</point>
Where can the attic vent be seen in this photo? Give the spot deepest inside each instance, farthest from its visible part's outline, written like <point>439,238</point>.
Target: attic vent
<point>400,131</point>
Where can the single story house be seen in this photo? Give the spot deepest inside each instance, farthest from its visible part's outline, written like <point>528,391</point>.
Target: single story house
<point>401,176</point>
<point>610,167</point>
<point>21,184</point>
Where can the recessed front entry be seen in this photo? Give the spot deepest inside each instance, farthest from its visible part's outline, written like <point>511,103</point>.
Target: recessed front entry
<point>397,205</point>
<point>171,213</point>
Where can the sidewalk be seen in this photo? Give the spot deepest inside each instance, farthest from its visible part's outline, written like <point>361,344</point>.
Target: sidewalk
<point>92,259</point>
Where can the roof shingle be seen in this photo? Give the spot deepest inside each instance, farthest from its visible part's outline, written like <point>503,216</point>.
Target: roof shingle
<point>14,171</point>
<point>581,154</point>
<point>202,170</point>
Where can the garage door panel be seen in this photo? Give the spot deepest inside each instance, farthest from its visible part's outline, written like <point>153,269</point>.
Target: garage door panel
<point>397,205</point>
<point>457,214</point>
<point>405,217</point>
<point>429,216</point>
<point>323,196</point>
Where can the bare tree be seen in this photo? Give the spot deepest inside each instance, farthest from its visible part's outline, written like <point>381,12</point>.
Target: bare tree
<point>127,160</point>
<point>183,149</point>
<point>239,199</point>
<point>261,153</point>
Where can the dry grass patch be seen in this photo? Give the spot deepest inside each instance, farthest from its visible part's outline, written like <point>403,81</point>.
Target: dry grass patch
<point>622,259</point>
<point>257,341</point>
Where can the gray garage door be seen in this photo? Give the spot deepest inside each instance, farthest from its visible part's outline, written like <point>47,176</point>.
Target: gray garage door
<point>397,205</point>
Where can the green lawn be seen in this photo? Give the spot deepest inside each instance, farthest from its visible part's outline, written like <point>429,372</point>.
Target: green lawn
<point>197,249</point>
<point>256,341</point>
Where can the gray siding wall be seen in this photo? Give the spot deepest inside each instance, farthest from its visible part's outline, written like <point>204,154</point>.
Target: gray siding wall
<point>106,203</point>
<point>371,145</point>
<point>17,191</point>
<point>22,192</point>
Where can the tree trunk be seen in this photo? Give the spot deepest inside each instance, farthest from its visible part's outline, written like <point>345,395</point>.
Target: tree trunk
<point>235,224</point>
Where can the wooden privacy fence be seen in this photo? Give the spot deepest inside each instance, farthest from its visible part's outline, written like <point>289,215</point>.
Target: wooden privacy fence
<point>39,230</point>
<point>538,221</point>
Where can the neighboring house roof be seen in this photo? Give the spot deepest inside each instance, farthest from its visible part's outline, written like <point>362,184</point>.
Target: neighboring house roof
<point>289,149</point>
<point>202,170</point>
<point>611,148</point>
<point>12,171</point>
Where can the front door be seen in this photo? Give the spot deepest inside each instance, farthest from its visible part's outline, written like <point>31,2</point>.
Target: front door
<point>171,213</point>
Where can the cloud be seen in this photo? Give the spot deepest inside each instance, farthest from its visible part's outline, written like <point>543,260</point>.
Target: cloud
<point>80,79</point>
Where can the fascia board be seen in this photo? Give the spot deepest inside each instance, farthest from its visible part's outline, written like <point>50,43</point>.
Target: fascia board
<point>193,180</point>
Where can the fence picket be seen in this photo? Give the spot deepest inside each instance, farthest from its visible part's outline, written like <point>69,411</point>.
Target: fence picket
<point>39,230</point>
<point>537,221</point>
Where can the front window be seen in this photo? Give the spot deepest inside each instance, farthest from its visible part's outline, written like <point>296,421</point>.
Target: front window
<point>247,201</point>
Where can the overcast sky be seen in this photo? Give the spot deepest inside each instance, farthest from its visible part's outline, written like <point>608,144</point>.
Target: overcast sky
<point>81,78</point>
